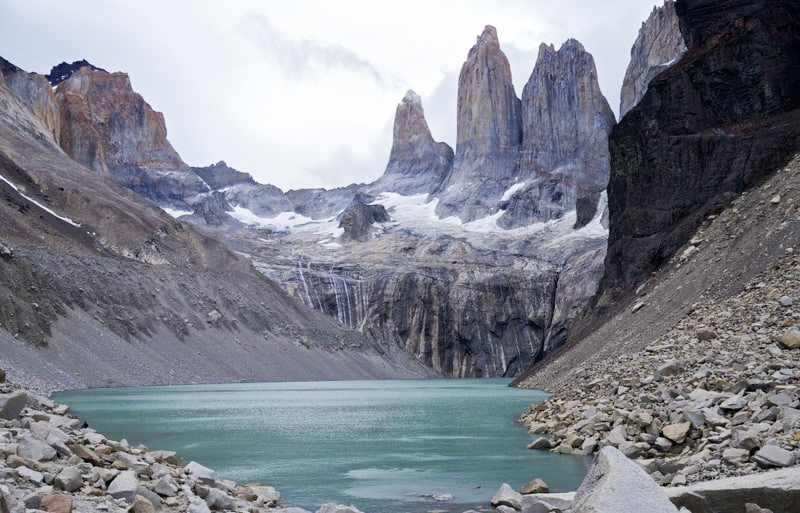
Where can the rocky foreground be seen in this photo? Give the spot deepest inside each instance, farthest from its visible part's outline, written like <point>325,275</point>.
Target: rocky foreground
<point>717,396</point>
<point>48,462</point>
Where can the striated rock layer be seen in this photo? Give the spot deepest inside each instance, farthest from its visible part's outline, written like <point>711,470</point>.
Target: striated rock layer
<point>718,122</point>
<point>659,45</point>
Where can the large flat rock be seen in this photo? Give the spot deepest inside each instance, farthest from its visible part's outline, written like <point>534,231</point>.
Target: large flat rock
<point>778,491</point>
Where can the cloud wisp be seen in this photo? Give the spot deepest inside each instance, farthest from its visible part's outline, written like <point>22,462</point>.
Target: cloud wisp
<point>303,58</point>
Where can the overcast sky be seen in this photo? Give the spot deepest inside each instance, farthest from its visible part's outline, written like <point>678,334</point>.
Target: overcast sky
<point>303,93</point>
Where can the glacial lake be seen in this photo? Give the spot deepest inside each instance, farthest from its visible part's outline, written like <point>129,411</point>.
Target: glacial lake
<point>379,445</point>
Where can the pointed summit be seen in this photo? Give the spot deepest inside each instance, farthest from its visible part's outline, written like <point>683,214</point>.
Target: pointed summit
<point>659,45</point>
<point>417,163</point>
<point>566,121</point>
<point>489,132</point>
<point>488,108</point>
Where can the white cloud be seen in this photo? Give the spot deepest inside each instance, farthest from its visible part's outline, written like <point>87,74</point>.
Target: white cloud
<point>299,93</point>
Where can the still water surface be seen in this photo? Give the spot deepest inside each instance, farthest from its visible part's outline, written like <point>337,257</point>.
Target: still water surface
<point>379,445</point>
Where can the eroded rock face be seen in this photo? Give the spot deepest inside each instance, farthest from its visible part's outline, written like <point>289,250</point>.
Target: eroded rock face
<point>357,220</point>
<point>565,126</point>
<point>417,163</point>
<point>219,175</point>
<point>213,209</point>
<point>489,133</point>
<point>34,91</point>
<point>108,127</point>
<point>715,124</point>
<point>659,45</point>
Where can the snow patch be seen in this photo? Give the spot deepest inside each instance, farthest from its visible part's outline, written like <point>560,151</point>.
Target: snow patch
<point>46,209</point>
<point>176,213</point>
<point>291,222</point>
<point>511,190</point>
<point>418,214</point>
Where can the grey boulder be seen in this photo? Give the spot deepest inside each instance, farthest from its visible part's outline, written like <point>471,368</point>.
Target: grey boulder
<point>774,456</point>
<point>124,486</point>
<point>33,449</point>
<point>615,484</point>
<point>330,507</point>
<point>218,500</point>
<point>200,473</point>
<point>777,490</point>
<point>69,479</point>
<point>12,404</point>
<point>507,496</point>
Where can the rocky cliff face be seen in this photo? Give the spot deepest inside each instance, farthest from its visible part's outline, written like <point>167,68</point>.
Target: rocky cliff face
<point>98,287</point>
<point>469,299</point>
<point>417,163</point>
<point>659,45</point>
<point>108,127</point>
<point>715,124</point>
<point>219,175</point>
<point>565,126</point>
<point>489,133</point>
<point>34,90</point>
<point>474,306</point>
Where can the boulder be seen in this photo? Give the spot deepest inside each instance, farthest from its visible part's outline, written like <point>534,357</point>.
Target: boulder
<point>261,495</point>
<point>535,486</point>
<point>218,500</point>
<point>86,454</point>
<point>142,505</point>
<point>31,475</point>
<point>36,450</point>
<point>170,457</point>
<point>507,496</point>
<point>735,456</point>
<point>56,503</point>
<point>671,368</point>
<point>69,479</point>
<point>12,404</point>
<point>197,505</point>
<point>774,456</point>
<point>200,473</point>
<point>541,443</point>
<point>4,503</point>
<point>330,507</point>
<point>778,490</point>
<point>124,486</point>
<point>546,502</point>
<point>165,486</point>
<point>616,484</point>
<point>790,339</point>
<point>676,432</point>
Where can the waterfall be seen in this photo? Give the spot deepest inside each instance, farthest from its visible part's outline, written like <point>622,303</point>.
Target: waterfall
<point>310,303</point>
<point>350,321</point>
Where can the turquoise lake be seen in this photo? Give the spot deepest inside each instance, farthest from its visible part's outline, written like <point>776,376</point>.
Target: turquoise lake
<point>380,445</point>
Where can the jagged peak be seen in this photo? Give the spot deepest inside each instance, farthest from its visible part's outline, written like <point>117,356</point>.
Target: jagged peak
<point>489,36</point>
<point>7,68</point>
<point>65,70</point>
<point>570,46</point>
<point>412,97</point>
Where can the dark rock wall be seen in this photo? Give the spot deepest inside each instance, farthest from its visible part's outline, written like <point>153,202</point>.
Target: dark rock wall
<point>715,124</point>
